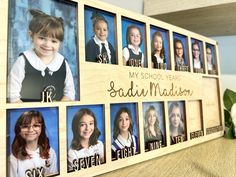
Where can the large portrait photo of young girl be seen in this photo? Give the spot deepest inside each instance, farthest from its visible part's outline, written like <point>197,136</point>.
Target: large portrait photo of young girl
<point>32,142</point>
<point>42,51</point>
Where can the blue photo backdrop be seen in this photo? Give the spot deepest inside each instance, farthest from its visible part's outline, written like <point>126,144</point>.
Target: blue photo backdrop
<point>88,24</point>
<point>51,122</point>
<point>126,22</point>
<point>212,47</point>
<point>166,43</point>
<point>200,47</point>
<point>184,41</point>
<point>159,106</point>
<point>18,38</point>
<point>114,108</point>
<point>98,111</point>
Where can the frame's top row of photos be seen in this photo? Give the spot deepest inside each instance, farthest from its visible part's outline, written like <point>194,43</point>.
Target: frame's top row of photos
<point>45,53</point>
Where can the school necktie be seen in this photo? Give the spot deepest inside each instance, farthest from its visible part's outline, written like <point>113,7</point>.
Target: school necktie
<point>104,51</point>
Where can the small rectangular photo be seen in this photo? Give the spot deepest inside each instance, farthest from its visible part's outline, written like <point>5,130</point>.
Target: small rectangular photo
<point>197,55</point>
<point>160,47</point>
<point>181,55</point>
<point>33,142</point>
<point>154,125</point>
<point>211,59</point>
<point>42,51</point>
<point>177,121</point>
<point>85,137</point>
<point>133,43</point>
<point>124,130</point>
<point>100,36</point>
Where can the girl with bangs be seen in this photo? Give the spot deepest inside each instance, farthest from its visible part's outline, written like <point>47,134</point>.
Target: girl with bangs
<point>85,140</point>
<point>31,149</point>
<point>42,68</point>
<point>123,132</point>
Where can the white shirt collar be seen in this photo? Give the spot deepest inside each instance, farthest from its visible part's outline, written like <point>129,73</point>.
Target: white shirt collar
<point>133,49</point>
<point>99,42</point>
<point>125,142</point>
<point>37,63</point>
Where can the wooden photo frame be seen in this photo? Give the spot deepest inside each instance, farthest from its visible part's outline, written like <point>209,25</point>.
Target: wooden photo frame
<point>105,88</point>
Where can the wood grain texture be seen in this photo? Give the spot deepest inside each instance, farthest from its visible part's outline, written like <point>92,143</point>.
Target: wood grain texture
<point>215,158</point>
<point>130,84</point>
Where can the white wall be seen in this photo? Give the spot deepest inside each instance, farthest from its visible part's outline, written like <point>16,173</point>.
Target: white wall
<point>133,5</point>
<point>227,53</point>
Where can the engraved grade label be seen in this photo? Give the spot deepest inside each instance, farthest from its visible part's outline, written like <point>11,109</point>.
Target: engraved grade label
<point>35,172</point>
<point>86,162</point>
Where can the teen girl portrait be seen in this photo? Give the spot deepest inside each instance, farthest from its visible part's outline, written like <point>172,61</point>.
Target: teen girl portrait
<point>98,48</point>
<point>197,54</point>
<point>31,148</point>
<point>87,139</point>
<point>180,50</point>
<point>176,120</point>
<point>39,66</point>
<point>210,55</point>
<point>124,128</point>
<point>153,124</point>
<point>132,42</point>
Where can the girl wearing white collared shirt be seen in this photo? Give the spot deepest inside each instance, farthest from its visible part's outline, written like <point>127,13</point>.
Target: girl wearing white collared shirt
<point>132,53</point>
<point>42,69</point>
<point>85,140</point>
<point>123,132</point>
<point>98,49</point>
<point>31,151</point>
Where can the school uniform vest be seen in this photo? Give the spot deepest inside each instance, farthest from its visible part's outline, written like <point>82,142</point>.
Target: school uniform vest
<point>34,83</point>
<point>136,58</point>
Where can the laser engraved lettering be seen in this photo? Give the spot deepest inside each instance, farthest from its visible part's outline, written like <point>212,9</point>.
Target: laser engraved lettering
<point>154,145</point>
<point>35,172</point>
<point>155,89</point>
<point>125,152</point>
<point>86,162</point>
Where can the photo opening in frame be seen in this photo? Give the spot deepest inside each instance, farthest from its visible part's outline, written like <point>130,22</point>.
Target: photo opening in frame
<point>197,56</point>
<point>42,51</point>
<point>177,122</point>
<point>124,130</point>
<point>154,125</point>
<point>100,36</point>
<point>85,137</point>
<point>33,142</point>
<point>159,48</point>
<point>181,55</point>
<point>133,43</point>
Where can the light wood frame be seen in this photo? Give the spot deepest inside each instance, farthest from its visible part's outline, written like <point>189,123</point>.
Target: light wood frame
<point>102,84</point>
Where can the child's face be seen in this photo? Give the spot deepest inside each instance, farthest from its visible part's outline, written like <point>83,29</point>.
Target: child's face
<point>124,122</point>
<point>175,117</point>
<point>157,43</point>
<point>86,127</point>
<point>135,37</point>
<point>196,51</point>
<point>179,49</point>
<point>101,30</point>
<point>45,46</point>
<point>31,132</point>
<point>209,55</point>
<point>152,117</point>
